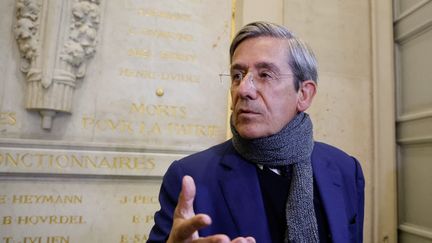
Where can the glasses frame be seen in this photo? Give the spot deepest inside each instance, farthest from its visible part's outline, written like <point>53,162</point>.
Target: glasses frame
<point>224,76</point>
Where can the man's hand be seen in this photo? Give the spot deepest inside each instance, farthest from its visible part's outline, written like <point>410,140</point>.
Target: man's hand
<point>186,224</point>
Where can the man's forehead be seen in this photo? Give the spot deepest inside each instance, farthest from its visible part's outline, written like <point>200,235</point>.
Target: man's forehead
<point>261,52</point>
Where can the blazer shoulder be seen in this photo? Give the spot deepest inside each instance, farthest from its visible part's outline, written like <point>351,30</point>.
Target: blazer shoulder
<point>329,154</point>
<point>328,150</point>
<point>333,166</point>
<point>204,159</point>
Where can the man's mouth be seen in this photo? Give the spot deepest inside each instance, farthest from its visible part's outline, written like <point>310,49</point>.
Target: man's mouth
<point>246,112</point>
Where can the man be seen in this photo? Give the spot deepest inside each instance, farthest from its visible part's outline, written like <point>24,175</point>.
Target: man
<point>271,182</point>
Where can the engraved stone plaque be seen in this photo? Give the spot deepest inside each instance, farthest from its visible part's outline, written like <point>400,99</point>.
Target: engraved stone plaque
<point>52,210</point>
<point>152,82</point>
<point>142,90</point>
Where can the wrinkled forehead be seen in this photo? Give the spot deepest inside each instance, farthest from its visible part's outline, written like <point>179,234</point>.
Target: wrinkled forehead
<point>261,53</point>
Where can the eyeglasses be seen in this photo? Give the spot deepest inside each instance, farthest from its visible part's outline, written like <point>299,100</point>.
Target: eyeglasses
<point>258,81</point>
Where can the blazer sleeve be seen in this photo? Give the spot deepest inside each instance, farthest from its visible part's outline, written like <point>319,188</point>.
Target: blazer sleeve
<point>360,185</point>
<point>168,197</point>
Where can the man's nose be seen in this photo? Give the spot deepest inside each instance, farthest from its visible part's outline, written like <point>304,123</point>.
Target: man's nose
<point>247,86</point>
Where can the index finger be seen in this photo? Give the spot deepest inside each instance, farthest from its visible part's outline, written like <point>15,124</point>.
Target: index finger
<point>184,208</point>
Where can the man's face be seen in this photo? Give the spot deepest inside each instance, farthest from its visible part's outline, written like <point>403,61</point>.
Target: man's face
<point>260,110</point>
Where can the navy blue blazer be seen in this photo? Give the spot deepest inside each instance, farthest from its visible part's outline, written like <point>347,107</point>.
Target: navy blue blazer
<point>228,190</point>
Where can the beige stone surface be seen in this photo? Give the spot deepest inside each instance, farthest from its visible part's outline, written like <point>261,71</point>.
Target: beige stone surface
<point>77,209</point>
<point>340,34</point>
<point>151,94</point>
<point>153,81</point>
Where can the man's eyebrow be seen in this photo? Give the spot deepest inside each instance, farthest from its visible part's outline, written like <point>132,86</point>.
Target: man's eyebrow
<point>238,66</point>
<point>267,65</point>
<point>259,65</point>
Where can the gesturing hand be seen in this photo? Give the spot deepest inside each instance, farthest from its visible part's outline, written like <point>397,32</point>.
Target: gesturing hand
<point>186,224</point>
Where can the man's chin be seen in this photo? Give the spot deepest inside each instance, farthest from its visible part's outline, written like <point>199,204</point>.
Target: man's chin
<point>249,131</point>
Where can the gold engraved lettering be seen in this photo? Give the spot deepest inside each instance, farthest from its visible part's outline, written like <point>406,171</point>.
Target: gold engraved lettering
<point>104,163</point>
<point>40,159</point>
<point>170,55</point>
<point>179,77</point>
<point>149,219</point>
<point>142,127</point>
<point>124,239</point>
<point>164,14</point>
<point>107,124</point>
<point>118,162</point>
<point>7,220</point>
<point>15,160</point>
<point>136,52</point>
<point>139,199</point>
<point>175,36</point>
<point>137,73</point>
<point>8,118</point>
<point>62,161</point>
<point>136,238</point>
<point>2,199</point>
<point>8,239</point>
<point>32,239</point>
<point>193,130</point>
<point>144,74</point>
<point>50,219</point>
<point>159,110</point>
<point>47,239</point>
<point>46,199</point>
<point>65,161</point>
<point>124,200</point>
<point>155,129</point>
<point>143,199</point>
<point>138,219</point>
<point>24,199</point>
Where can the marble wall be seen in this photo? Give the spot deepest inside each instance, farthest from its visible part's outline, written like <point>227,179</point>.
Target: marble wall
<point>151,94</point>
<point>340,33</point>
<point>97,98</point>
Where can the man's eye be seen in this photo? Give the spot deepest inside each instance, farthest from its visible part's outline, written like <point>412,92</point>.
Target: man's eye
<point>236,77</point>
<point>267,76</point>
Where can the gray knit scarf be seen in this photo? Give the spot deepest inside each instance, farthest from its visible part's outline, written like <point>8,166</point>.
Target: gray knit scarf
<point>293,145</point>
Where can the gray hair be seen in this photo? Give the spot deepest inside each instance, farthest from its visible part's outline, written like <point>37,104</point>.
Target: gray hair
<point>301,58</point>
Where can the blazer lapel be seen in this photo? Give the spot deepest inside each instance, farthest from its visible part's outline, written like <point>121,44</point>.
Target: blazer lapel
<point>329,182</point>
<point>241,190</point>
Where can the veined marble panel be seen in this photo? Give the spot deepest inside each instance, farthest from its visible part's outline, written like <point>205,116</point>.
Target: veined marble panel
<point>150,94</point>
<point>77,210</point>
<point>152,82</point>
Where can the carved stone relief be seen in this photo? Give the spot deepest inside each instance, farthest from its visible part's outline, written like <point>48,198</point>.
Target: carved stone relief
<point>56,39</point>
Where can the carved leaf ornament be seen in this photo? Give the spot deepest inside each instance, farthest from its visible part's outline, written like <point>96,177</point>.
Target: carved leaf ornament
<point>40,31</point>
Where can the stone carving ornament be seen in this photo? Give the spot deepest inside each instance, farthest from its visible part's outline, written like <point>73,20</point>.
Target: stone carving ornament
<point>56,38</point>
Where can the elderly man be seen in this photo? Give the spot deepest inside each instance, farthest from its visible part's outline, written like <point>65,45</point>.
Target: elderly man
<point>271,182</point>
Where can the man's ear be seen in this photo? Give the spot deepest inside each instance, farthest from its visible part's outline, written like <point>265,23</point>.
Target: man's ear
<point>306,92</point>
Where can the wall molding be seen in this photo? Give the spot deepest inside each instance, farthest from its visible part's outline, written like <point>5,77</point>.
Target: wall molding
<point>415,140</point>
<point>384,209</point>
<point>416,230</point>
<point>414,32</point>
<point>414,116</point>
<point>411,10</point>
